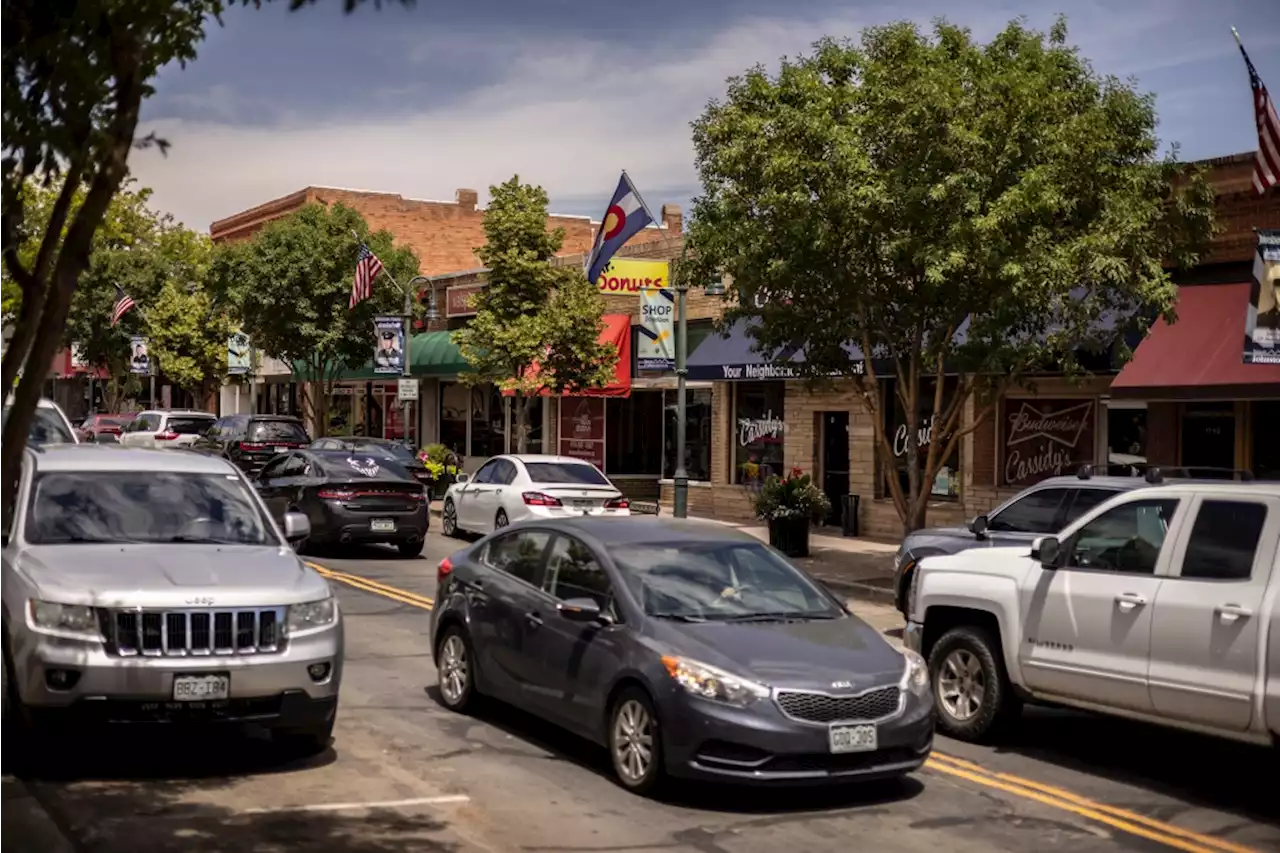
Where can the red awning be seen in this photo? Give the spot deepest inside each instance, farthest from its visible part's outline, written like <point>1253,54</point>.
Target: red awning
<point>1200,357</point>
<point>617,331</point>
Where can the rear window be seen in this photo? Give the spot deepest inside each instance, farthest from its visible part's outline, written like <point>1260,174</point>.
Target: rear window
<point>565,472</point>
<point>277,431</point>
<point>189,426</point>
<point>47,427</point>
<point>388,450</point>
<point>360,466</point>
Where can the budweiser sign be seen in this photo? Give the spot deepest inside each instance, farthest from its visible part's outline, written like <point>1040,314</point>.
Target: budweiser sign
<point>1043,438</point>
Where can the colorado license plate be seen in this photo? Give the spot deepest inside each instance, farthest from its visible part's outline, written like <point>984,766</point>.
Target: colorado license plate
<point>281,449</point>
<point>583,504</point>
<point>852,739</point>
<point>383,525</point>
<point>201,688</point>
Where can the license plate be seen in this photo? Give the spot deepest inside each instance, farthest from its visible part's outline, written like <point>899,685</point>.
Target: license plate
<point>584,504</point>
<point>201,688</point>
<point>383,525</point>
<point>281,449</point>
<point>852,739</point>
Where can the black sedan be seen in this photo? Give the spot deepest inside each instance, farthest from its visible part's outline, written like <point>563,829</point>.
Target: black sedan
<point>349,497</point>
<point>686,648</point>
<point>385,448</point>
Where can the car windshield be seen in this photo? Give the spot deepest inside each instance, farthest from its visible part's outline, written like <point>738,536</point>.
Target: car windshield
<point>565,472</point>
<point>277,431</point>
<point>143,506</point>
<point>189,426</point>
<point>46,427</point>
<point>721,581</point>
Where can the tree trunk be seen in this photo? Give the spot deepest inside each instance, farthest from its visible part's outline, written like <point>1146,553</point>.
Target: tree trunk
<point>522,423</point>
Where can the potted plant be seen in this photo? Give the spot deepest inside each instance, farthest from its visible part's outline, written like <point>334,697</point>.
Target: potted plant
<point>790,505</point>
<point>442,467</point>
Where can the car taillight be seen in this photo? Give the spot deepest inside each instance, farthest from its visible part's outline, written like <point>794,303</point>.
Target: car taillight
<point>335,495</point>
<point>443,570</point>
<point>252,445</point>
<point>539,499</point>
<point>618,503</point>
<point>166,436</point>
<point>419,496</point>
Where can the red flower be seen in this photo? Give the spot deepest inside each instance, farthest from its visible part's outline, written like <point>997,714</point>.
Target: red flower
<point>796,473</point>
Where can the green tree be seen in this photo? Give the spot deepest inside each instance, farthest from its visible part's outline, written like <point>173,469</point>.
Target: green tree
<point>947,207</point>
<point>537,326</point>
<point>292,285</point>
<point>72,81</point>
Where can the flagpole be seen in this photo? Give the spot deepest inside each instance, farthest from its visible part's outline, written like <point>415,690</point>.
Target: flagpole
<point>1237,35</point>
<point>640,198</point>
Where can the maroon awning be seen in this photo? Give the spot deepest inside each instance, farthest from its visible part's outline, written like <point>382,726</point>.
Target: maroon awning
<point>1200,356</point>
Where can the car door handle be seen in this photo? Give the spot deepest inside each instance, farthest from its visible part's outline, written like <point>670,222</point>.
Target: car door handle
<point>1228,614</point>
<point>534,620</point>
<point>1129,600</point>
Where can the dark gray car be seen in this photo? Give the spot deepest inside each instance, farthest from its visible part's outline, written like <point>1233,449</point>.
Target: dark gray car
<point>685,648</point>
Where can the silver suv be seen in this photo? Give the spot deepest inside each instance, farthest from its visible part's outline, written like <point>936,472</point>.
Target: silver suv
<point>145,586</point>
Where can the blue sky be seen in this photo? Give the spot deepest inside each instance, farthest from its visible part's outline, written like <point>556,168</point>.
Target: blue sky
<point>425,100</point>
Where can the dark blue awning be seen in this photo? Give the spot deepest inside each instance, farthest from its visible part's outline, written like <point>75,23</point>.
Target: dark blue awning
<point>732,358</point>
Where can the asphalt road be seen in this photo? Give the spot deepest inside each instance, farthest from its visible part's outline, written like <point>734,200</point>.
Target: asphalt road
<point>406,775</point>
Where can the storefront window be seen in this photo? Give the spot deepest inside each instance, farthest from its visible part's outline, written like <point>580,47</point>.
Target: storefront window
<point>453,417</point>
<point>759,431</point>
<point>946,479</point>
<point>488,422</point>
<point>1126,436</point>
<point>1265,464</point>
<point>633,427</point>
<point>697,446</point>
<point>533,444</point>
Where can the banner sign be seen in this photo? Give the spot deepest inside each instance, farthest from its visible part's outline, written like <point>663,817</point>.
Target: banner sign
<point>238,356</point>
<point>139,356</point>
<point>78,360</point>
<point>1262,318</point>
<point>582,429</point>
<point>388,353</point>
<point>628,275</point>
<point>655,347</point>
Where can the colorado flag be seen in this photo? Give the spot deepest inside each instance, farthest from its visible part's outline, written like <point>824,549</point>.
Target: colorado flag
<point>626,215</point>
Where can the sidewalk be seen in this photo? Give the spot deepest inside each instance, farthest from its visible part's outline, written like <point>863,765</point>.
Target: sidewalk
<point>26,825</point>
<point>855,567</point>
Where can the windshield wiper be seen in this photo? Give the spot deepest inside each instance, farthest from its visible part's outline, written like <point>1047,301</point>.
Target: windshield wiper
<point>204,540</point>
<point>679,617</point>
<point>774,616</point>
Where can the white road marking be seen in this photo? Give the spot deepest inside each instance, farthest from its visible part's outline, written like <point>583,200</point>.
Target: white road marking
<point>444,799</point>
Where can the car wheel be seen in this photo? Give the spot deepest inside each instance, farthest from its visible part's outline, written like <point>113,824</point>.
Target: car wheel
<point>635,742</point>
<point>456,670</point>
<point>304,742</point>
<point>970,686</point>
<point>409,549</point>
<point>449,519</point>
<point>19,729</point>
<point>500,520</point>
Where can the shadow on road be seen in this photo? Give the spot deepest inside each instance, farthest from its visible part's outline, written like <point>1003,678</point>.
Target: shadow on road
<point>735,799</point>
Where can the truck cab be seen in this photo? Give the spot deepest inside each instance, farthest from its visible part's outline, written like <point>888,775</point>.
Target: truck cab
<point>1159,605</point>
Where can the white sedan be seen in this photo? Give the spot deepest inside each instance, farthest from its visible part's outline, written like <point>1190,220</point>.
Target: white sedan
<point>508,489</point>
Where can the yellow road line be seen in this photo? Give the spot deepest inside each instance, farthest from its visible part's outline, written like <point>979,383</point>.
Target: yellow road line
<point>1117,818</point>
<point>1049,795</point>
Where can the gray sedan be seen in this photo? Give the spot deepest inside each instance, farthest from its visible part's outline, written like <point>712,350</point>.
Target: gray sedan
<point>688,649</point>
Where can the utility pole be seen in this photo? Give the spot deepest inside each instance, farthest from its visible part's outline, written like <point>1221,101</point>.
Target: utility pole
<point>680,503</point>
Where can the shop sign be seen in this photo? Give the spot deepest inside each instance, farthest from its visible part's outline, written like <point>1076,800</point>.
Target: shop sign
<point>388,353</point>
<point>1045,438</point>
<point>140,357</point>
<point>767,428</point>
<point>460,301</point>
<point>655,346</point>
<point>1262,318</point>
<point>630,276</point>
<point>407,390</point>
<point>582,429</point>
<point>924,436</point>
<point>238,360</point>
<point>756,372</point>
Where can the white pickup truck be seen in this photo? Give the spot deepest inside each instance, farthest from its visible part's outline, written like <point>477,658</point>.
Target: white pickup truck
<point>1162,605</point>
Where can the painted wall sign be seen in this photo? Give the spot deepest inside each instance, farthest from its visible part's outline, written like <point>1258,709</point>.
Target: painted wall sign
<point>1045,438</point>
<point>459,301</point>
<point>582,429</point>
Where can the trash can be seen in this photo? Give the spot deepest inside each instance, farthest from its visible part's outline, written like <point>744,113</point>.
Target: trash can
<point>849,515</point>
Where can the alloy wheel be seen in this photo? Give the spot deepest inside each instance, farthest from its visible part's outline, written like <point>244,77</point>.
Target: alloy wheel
<point>632,742</point>
<point>449,519</point>
<point>455,672</point>
<point>962,684</point>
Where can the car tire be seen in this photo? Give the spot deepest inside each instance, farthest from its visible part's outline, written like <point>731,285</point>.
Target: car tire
<point>904,591</point>
<point>409,550</point>
<point>635,742</point>
<point>20,732</point>
<point>449,519</point>
<point>304,742</point>
<point>456,670</point>
<point>972,692</point>
<point>500,520</point>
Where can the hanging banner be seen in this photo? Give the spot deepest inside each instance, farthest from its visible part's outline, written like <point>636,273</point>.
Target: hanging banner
<point>1262,318</point>
<point>238,356</point>
<point>628,275</point>
<point>582,429</point>
<point>140,358</point>
<point>388,355</point>
<point>655,347</point>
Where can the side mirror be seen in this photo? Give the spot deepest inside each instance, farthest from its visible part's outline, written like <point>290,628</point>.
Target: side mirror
<point>1046,549</point>
<point>978,527</point>
<point>296,526</point>
<point>580,610</point>
<point>462,478</point>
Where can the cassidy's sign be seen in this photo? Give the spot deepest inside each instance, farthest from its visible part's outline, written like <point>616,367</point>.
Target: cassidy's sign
<point>1044,438</point>
<point>766,428</point>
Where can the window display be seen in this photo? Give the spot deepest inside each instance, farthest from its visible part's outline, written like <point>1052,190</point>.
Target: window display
<point>946,479</point>
<point>759,431</point>
<point>453,417</point>
<point>697,445</point>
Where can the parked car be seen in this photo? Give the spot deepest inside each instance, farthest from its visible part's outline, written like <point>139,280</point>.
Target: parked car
<point>146,587</point>
<point>606,626</point>
<point>103,428</point>
<point>508,489</point>
<point>1046,507</point>
<point>347,497</point>
<point>1159,605</point>
<point>250,441</point>
<point>167,428</point>
<point>48,426</point>
<point>389,449</point>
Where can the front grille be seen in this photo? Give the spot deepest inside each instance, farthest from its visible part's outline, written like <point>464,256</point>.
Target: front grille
<point>820,708</point>
<point>175,633</point>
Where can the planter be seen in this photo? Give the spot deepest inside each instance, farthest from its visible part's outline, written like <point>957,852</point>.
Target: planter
<point>790,535</point>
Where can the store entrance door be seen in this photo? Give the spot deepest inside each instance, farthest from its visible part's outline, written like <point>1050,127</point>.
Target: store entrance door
<point>1209,439</point>
<point>835,461</point>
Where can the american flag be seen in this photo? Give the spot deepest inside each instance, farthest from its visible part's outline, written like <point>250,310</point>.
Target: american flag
<point>1266,164</point>
<point>122,305</point>
<point>367,268</point>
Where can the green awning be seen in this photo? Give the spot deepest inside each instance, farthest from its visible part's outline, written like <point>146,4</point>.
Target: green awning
<point>430,354</point>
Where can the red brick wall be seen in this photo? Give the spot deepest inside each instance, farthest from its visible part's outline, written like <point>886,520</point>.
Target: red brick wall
<point>1239,209</point>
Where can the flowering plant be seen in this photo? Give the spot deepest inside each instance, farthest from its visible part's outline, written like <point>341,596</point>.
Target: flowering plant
<point>439,461</point>
<point>793,496</point>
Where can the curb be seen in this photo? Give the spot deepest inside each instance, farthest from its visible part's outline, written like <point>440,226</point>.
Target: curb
<point>28,825</point>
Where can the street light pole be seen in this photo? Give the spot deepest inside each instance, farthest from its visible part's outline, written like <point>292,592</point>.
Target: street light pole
<point>405,357</point>
<point>680,503</point>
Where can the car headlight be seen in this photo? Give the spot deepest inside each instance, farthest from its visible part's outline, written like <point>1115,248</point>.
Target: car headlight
<point>312,615</point>
<point>915,676</point>
<point>57,618</point>
<point>709,682</point>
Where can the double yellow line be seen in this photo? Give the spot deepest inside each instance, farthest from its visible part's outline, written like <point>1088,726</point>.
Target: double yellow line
<point>1048,795</point>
